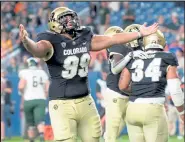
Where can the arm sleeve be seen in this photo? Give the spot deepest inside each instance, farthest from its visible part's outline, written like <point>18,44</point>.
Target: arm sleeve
<point>45,36</point>
<point>119,50</point>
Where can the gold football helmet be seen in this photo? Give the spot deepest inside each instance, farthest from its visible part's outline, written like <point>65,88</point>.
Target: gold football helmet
<point>154,41</point>
<point>113,30</point>
<point>134,43</point>
<point>59,23</point>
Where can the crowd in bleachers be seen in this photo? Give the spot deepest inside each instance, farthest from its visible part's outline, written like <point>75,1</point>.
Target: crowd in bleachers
<point>34,16</point>
<point>101,15</point>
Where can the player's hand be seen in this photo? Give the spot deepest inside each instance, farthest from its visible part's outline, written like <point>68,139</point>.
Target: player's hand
<point>22,32</point>
<point>148,30</point>
<point>139,54</point>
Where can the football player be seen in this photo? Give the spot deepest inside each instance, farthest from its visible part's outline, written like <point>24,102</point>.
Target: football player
<point>116,101</point>
<point>145,116</point>
<point>33,85</point>
<point>65,48</point>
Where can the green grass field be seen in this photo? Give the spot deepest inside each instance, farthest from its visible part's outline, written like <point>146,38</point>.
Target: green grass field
<point>121,139</point>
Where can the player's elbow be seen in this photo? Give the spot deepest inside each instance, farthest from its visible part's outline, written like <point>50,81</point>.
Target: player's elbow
<point>44,49</point>
<point>114,70</point>
<point>122,86</point>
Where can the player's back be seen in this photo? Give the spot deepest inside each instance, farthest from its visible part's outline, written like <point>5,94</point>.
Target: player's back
<point>35,83</point>
<point>149,76</point>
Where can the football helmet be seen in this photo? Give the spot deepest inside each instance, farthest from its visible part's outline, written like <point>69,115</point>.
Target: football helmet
<point>135,43</point>
<point>154,41</point>
<point>32,62</point>
<point>113,30</point>
<point>63,20</point>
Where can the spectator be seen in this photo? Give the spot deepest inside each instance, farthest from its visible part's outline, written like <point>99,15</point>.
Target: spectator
<point>7,104</point>
<point>128,16</point>
<point>6,43</point>
<point>24,63</point>
<point>180,58</point>
<point>180,37</point>
<point>61,4</point>
<point>93,10</point>
<point>13,67</point>
<point>100,93</point>
<point>100,63</point>
<point>175,23</point>
<point>104,13</point>
<point>114,6</point>
<point>44,12</point>
<point>162,27</point>
<point>92,25</point>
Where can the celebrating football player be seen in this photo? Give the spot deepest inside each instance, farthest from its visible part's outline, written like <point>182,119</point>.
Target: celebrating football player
<point>34,86</point>
<point>65,48</point>
<point>116,101</point>
<point>147,80</point>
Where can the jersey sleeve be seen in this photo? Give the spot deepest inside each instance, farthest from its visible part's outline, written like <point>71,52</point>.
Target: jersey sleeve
<point>129,65</point>
<point>22,74</point>
<point>45,36</point>
<point>171,59</point>
<point>119,49</point>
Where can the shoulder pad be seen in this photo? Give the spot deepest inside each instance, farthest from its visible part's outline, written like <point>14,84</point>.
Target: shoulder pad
<point>119,49</point>
<point>49,36</point>
<point>170,58</point>
<point>23,73</point>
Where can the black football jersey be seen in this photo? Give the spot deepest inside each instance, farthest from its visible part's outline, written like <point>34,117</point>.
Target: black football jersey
<point>113,80</point>
<point>68,67</point>
<point>149,76</point>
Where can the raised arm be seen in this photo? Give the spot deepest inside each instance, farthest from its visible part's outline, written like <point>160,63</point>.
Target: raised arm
<point>39,49</point>
<point>100,42</point>
<point>118,62</point>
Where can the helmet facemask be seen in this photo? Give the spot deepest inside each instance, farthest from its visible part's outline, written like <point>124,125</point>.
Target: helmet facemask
<point>69,22</point>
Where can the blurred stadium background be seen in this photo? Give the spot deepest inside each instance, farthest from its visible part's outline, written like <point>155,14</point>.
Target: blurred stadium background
<point>99,16</point>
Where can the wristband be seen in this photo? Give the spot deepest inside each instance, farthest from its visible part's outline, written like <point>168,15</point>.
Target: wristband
<point>139,35</point>
<point>181,113</point>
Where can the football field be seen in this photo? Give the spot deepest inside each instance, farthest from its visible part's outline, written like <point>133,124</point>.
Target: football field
<point>121,139</point>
